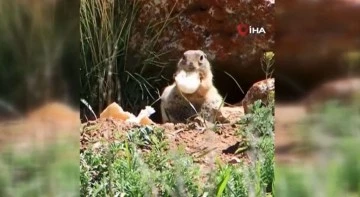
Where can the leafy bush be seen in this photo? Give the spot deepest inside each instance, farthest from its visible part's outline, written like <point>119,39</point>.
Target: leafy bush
<point>142,164</point>
<point>258,129</point>
<point>122,168</point>
<point>260,121</point>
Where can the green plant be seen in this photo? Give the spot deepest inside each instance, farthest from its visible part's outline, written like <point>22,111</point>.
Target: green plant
<point>224,181</point>
<point>138,165</point>
<point>142,164</point>
<point>258,129</point>
<point>113,67</point>
<point>267,62</point>
<point>260,121</point>
<point>231,181</point>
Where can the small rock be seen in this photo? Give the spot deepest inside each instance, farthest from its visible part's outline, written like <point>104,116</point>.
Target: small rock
<point>234,160</point>
<point>96,146</point>
<point>260,90</point>
<point>168,125</point>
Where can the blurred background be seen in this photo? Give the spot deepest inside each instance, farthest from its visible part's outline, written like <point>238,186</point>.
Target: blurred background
<point>39,95</point>
<point>317,112</point>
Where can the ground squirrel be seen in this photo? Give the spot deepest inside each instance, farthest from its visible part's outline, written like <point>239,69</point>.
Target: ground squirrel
<point>193,93</point>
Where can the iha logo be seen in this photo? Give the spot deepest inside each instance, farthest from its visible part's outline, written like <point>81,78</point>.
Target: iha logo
<point>245,29</point>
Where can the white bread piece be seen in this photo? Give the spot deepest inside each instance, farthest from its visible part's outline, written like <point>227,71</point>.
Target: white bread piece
<point>187,83</point>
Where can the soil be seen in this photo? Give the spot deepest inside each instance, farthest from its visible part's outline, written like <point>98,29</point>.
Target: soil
<point>204,144</point>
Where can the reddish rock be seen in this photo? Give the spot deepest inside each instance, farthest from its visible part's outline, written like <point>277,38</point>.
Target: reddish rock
<point>259,91</point>
<point>211,25</point>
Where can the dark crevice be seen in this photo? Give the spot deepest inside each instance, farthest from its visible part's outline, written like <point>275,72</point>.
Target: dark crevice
<point>231,149</point>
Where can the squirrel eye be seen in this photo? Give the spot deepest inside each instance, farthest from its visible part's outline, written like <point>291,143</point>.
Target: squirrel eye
<point>201,58</point>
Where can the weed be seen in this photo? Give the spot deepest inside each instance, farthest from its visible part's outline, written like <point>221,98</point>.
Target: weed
<point>258,130</point>
<point>136,171</point>
<point>260,121</point>
<point>112,68</point>
<point>143,164</point>
<point>267,62</point>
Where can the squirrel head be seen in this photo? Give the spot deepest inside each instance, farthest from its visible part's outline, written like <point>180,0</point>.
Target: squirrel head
<point>194,60</point>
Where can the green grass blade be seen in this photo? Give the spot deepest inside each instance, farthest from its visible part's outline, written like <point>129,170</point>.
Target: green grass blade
<point>223,183</point>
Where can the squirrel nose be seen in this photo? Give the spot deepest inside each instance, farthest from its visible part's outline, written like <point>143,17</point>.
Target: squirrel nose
<point>190,65</point>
